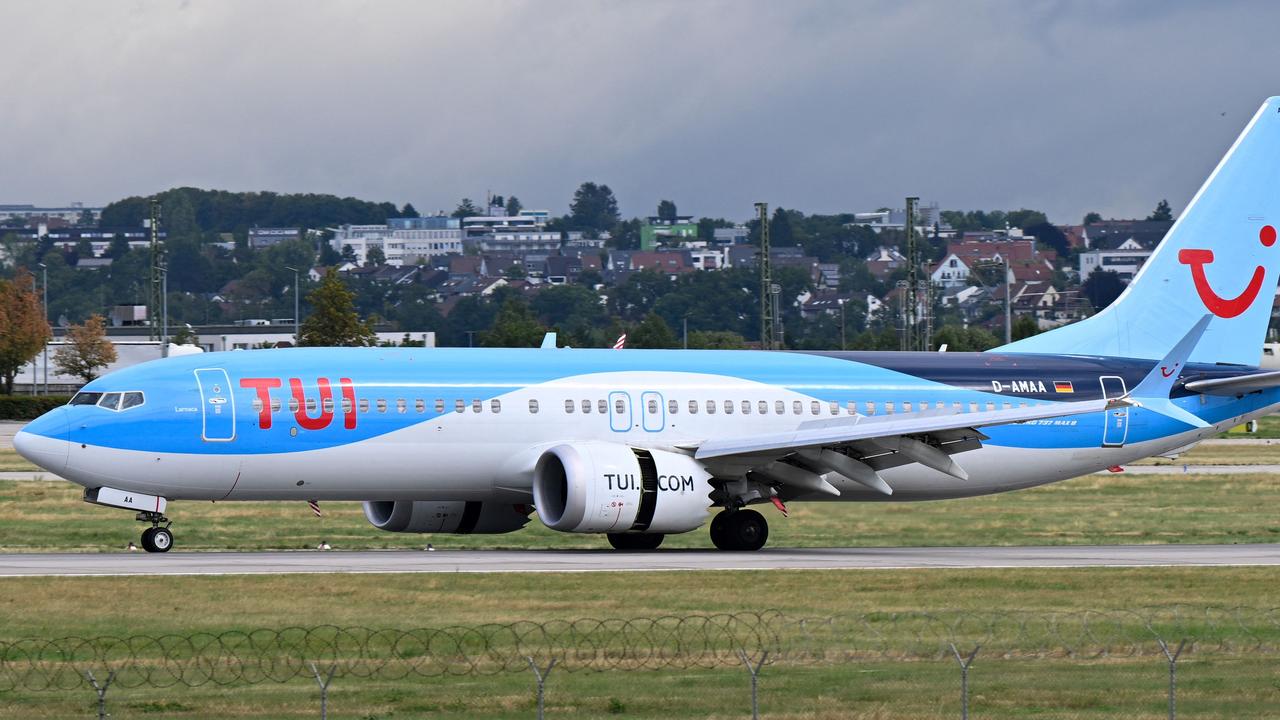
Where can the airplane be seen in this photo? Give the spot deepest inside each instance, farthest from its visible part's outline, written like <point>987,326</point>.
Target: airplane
<point>640,444</point>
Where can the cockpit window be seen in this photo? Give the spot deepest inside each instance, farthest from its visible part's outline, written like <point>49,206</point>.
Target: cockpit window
<point>86,398</point>
<point>115,401</point>
<point>110,401</point>
<point>130,400</point>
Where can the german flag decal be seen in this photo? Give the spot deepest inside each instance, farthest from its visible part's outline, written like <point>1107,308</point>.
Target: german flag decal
<point>1063,386</point>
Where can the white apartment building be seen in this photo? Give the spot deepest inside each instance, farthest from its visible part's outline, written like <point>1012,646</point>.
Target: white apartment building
<point>1125,260</point>
<point>404,243</point>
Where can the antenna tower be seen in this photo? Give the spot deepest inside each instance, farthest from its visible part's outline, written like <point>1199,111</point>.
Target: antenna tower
<point>767,318</point>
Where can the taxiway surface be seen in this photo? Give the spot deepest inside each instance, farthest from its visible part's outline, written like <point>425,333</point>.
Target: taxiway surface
<point>526,561</point>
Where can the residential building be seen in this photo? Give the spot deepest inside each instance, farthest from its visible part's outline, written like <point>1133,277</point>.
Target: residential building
<point>883,261</point>
<point>1147,233</point>
<point>266,237</point>
<point>403,241</point>
<point>950,272</point>
<point>1125,260</point>
<point>736,235</point>
<point>928,218</point>
<point>657,231</point>
<point>70,214</point>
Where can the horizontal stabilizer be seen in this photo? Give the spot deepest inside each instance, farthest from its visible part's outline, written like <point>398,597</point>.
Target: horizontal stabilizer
<point>1236,385</point>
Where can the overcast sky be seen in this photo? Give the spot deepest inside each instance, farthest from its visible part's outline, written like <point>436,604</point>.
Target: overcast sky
<point>823,107</point>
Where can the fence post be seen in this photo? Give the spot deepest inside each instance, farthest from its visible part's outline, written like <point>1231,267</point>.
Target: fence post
<point>755,675</point>
<point>965,662</point>
<point>323,682</point>
<point>101,690</point>
<point>541,677</point>
<point>1172,657</point>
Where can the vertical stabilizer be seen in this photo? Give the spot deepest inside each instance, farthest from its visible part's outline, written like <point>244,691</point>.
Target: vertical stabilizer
<point>1220,257</point>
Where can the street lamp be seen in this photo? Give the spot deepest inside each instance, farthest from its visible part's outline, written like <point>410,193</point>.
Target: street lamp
<point>297,332</point>
<point>841,302</point>
<point>44,283</point>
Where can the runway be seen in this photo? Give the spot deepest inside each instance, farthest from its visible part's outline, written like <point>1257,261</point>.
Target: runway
<point>548,561</point>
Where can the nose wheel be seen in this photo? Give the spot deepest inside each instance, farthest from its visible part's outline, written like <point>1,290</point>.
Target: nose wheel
<point>739,530</point>
<point>157,538</point>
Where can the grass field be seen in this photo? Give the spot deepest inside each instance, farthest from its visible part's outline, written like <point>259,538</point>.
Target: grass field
<point>1212,686</point>
<point>1098,509</point>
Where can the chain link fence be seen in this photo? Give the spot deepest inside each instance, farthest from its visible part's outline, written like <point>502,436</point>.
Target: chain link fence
<point>939,656</point>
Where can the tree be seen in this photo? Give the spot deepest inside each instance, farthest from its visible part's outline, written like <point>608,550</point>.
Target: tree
<point>1050,235</point>
<point>1102,288</point>
<point>409,211</point>
<point>23,330</point>
<point>594,208</point>
<point>780,229</point>
<point>1091,218</point>
<point>1024,327</point>
<point>515,326</point>
<point>349,254</point>
<point>185,336</point>
<point>652,332</point>
<point>466,208</point>
<point>716,340</point>
<point>513,206</point>
<point>1162,212</point>
<point>87,350</point>
<point>333,321</point>
<point>625,235</point>
<point>667,211</point>
<point>375,257</point>
<point>85,219</point>
<point>118,248</point>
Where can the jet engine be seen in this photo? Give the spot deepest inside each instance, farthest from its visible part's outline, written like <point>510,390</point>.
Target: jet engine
<point>461,518</point>
<point>595,487</point>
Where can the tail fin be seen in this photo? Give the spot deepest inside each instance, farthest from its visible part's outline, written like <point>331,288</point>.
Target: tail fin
<point>1221,256</point>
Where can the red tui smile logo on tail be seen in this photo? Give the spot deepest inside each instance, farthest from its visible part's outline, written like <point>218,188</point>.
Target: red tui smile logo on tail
<point>1218,305</point>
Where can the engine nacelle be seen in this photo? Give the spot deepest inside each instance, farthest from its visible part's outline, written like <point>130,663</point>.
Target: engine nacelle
<point>430,516</point>
<point>596,487</point>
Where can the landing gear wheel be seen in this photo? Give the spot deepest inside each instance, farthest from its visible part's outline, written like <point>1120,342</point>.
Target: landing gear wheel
<point>740,530</point>
<point>635,541</point>
<point>157,540</point>
<point>148,537</point>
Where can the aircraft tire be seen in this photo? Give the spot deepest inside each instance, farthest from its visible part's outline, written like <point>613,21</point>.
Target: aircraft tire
<point>744,530</point>
<point>717,531</point>
<point>635,541</point>
<point>159,541</point>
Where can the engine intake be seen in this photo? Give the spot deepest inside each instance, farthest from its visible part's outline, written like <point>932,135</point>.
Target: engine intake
<point>606,488</point>
<point>457,517</point>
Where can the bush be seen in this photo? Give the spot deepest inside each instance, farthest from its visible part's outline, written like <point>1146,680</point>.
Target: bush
<point>29,407</point>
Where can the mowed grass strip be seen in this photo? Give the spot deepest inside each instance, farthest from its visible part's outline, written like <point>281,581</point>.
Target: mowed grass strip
<point>1096,509</point>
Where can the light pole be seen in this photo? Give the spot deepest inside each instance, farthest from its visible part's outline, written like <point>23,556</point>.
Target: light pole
<point>297,327</point>
<point>44,284</point>
<point>841,301</point>
<point>164,311</point>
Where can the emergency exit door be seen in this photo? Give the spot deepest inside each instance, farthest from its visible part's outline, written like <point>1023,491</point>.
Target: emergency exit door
<point>1116,427</point>
<point>217,406</point>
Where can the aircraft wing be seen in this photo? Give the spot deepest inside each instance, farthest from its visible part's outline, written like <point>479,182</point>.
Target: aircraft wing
<point>1236,385</point>
<point>856,447</point>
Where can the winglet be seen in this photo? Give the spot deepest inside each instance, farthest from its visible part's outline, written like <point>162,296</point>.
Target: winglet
<point>1153,392</point>
<point>549,341</point>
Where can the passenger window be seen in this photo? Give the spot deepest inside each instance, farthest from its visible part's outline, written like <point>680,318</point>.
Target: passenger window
<point>940,405</point>
<point>477,405</point>
<point>619,407</point>
<point>653,406</point>
<point>459,405</point>
<point>364,405</point>
<point>134,399</point>
<point>402,405</point>
<point>852,407</point>
<point>973,407</point>
<point>586,406</point>
<point>779,407</point>
<point>382,405</point>
<point>533,407</point>
<point>293,405</point>
<point>346,406</point>
<point>763,407</point>
<point>888,407</point>
<point>327,404</point>
<point>311,405</point>
<point>728,407</point>
<point>711,407</point>
<point>796,407</point>
<point>439,405</point>
<point>1007,406</point>
<point>419,405</point>
<point>495,405</point>
<point>256,405</point>
<point>673,407</point>
<point>835,408</point>
<point>602,407</point>
<point>871,408</point>
<point>906,407</point>
<point>693,407</point>
<point>568,406</point>
<point>955,406</point>
<point>110,401</point>
<point>991,406</point>
<point>815,407</point>
<point>275,405</point>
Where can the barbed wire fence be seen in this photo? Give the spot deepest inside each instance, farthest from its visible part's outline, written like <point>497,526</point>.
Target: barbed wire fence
<point>757,641</point>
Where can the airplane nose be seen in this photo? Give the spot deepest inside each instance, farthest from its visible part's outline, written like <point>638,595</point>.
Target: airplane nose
<point>46,441</point>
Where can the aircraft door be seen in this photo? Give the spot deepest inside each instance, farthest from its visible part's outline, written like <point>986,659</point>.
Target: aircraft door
<point>1116,426</point>
<point>217,405</point>
<point>653,412</point>
<point>619,411</point>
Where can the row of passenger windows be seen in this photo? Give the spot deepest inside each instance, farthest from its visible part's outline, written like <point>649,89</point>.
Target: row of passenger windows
<point>601,406</point>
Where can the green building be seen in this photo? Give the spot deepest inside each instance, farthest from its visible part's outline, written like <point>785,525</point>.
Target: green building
<point>658,231</point>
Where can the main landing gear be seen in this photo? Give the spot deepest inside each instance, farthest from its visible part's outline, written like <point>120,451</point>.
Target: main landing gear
<point>739,530</point>
<point>156,539</point>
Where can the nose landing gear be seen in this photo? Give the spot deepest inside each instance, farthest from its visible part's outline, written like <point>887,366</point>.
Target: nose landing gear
<point>156,539</point>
